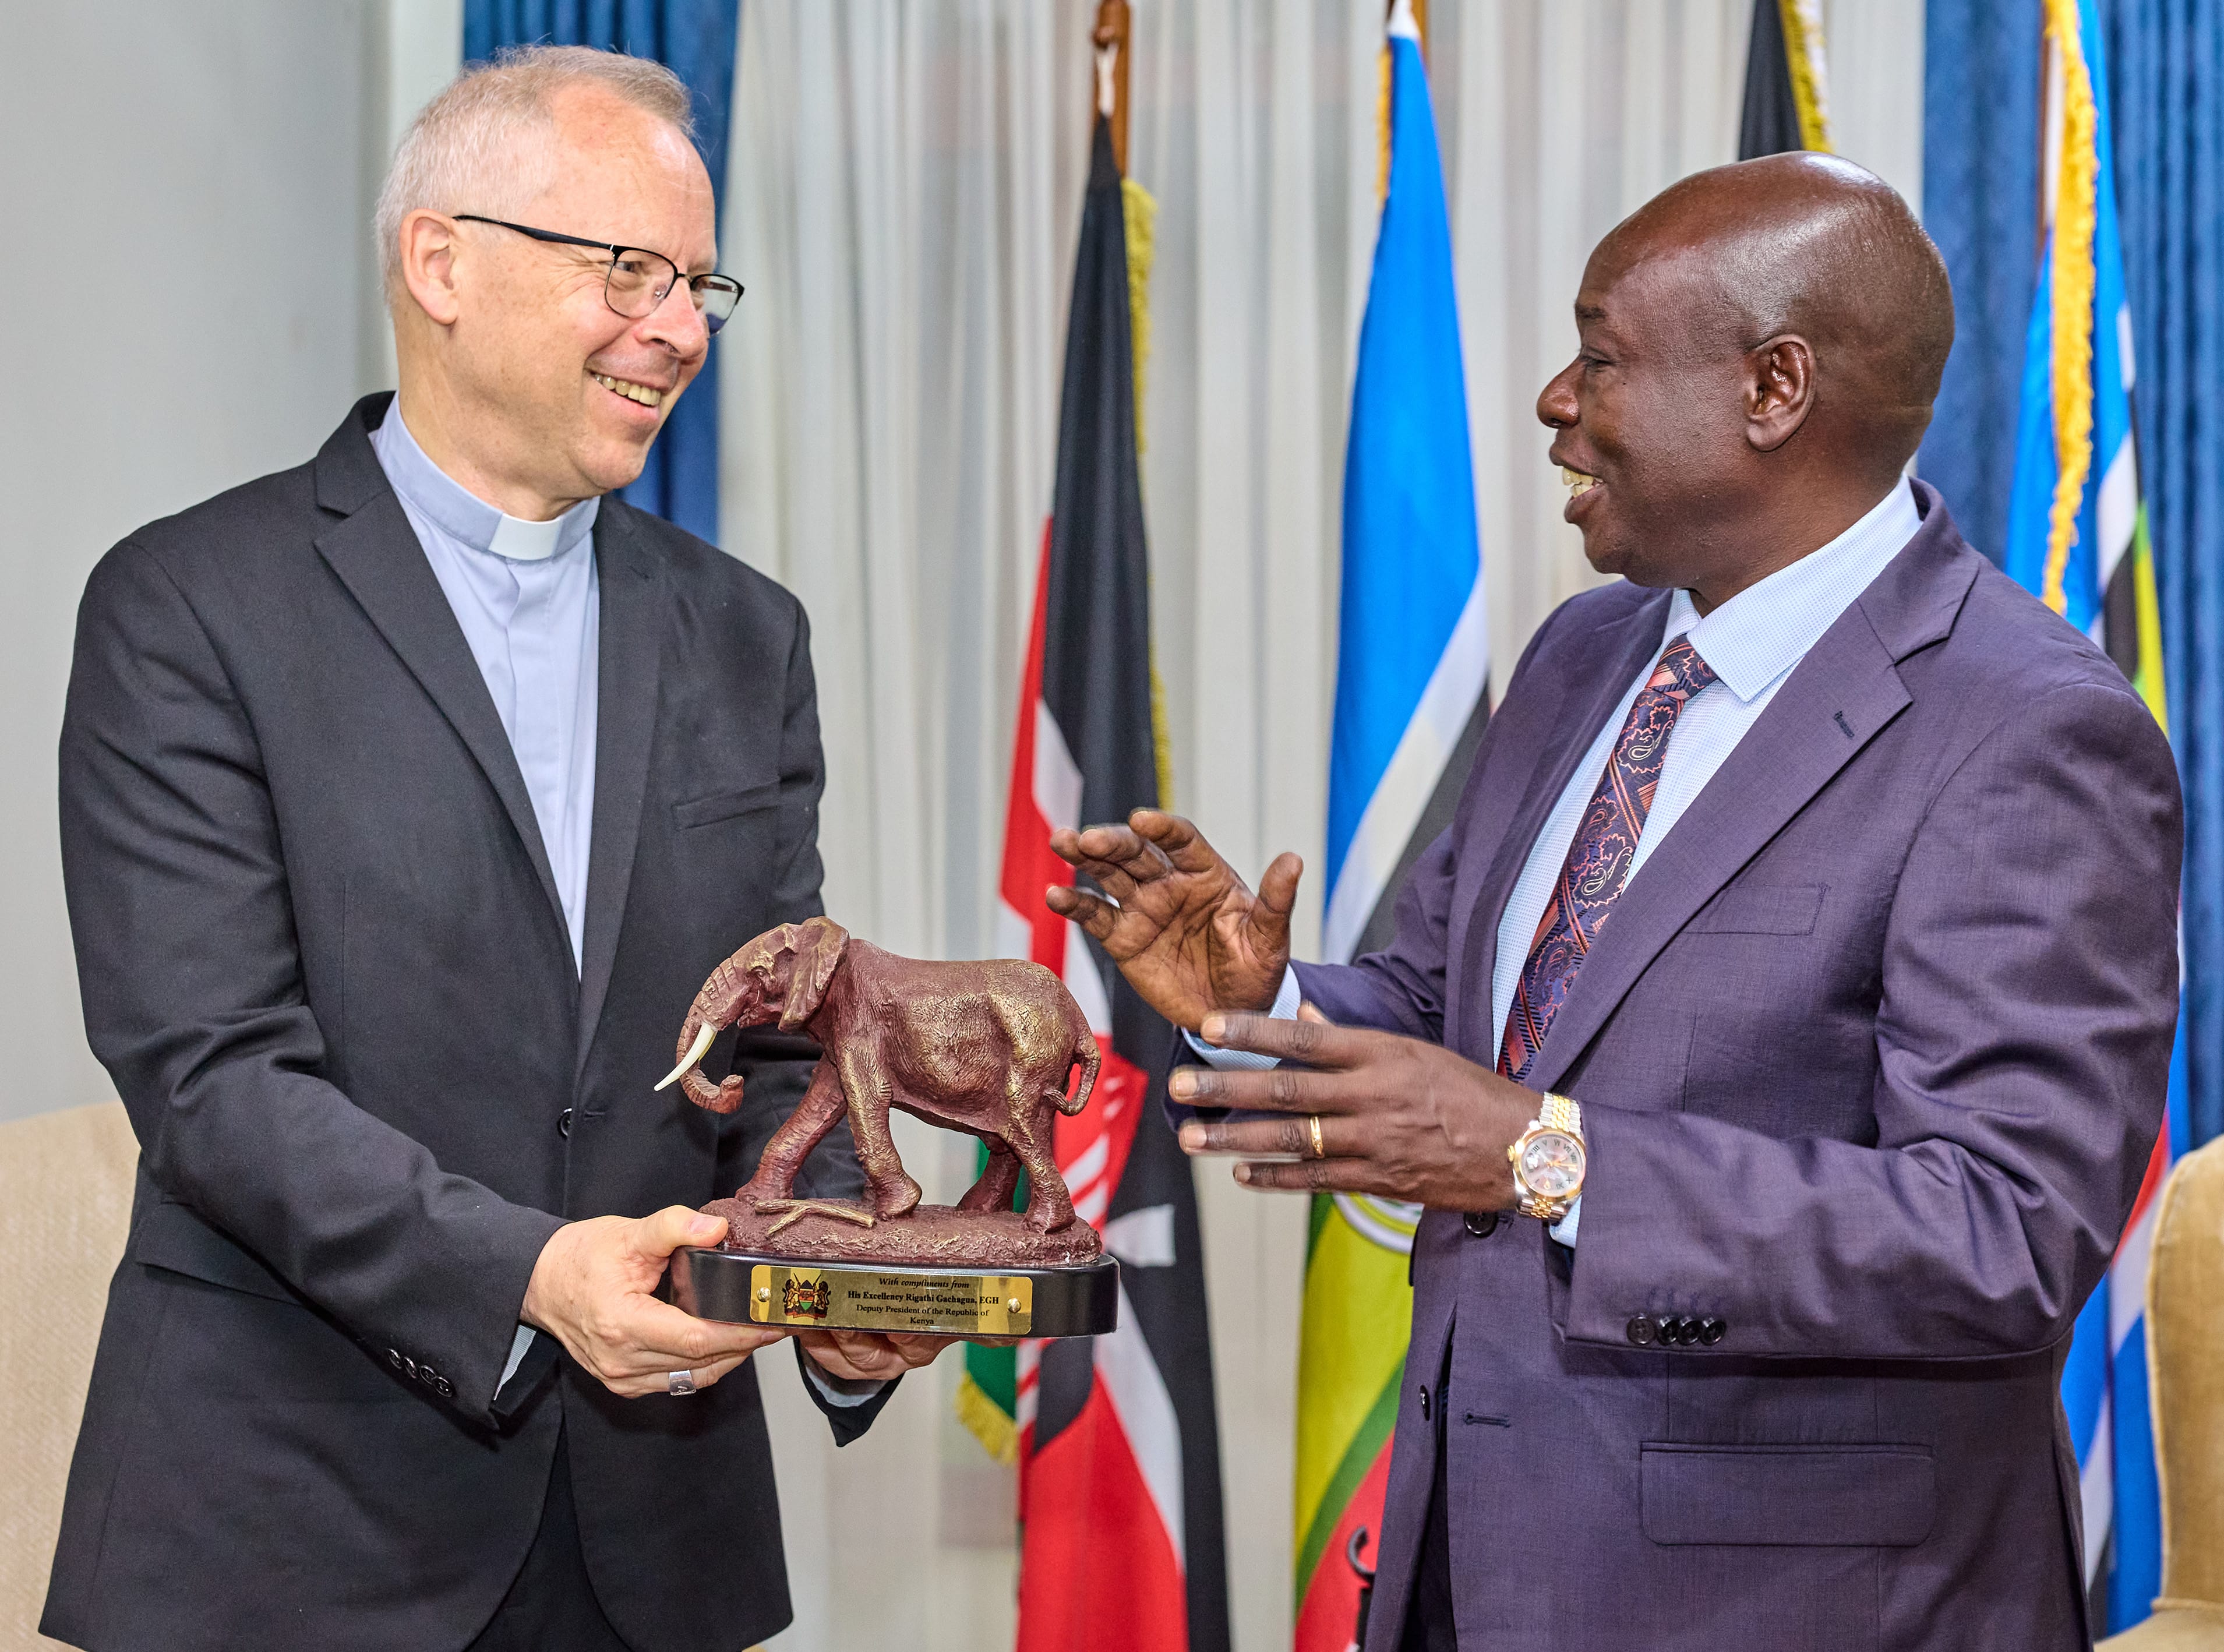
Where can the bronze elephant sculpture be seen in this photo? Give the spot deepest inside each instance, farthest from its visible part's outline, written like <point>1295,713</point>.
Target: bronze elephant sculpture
<point>986,1047</point>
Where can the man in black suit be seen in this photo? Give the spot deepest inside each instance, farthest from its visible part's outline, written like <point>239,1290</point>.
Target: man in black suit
<point>406,798</point>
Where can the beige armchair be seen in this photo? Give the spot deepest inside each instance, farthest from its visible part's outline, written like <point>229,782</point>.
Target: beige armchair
<point>65,1210</point>
<point>2185,1355</point>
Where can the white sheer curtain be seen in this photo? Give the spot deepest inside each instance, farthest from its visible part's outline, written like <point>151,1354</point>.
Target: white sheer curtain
<point>903,200</point>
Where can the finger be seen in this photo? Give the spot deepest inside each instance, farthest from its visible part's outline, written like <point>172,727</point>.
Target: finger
<point>1269,917</point>
<point>1340,1136</point>
<point>710,1373</point>
<point>1315,1043</point>
<point>1113,842</point>
<point>1092,913</point>
<point>919,1349</point>
<point>1276,1090</point>
<point>652,1335</point>
<point>852,1356</point>
<point>1112,876</point>
<point>1313,1177</point>
<point>655,1236</point>
<point>1308,1011</point>
<point>1180,842</point>
<point>1133,853</point>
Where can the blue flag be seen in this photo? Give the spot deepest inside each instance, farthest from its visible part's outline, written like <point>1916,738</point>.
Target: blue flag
<point>1413,648</point>
<point>2077,538</point>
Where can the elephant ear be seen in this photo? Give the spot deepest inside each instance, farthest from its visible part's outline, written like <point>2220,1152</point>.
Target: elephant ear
<point>819,947</point>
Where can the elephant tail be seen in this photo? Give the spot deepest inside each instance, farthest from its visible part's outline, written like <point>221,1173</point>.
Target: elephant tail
<point>1087,1057</point>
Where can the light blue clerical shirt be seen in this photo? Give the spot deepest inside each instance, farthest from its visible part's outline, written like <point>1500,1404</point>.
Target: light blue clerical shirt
<point>526,594</point>
<point>1754,641</point>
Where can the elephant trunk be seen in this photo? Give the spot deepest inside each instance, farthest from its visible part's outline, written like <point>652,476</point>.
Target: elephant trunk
<point>723,1001</point>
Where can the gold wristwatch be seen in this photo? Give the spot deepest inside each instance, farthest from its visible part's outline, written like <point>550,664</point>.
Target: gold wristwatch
<point>1549,1160</point>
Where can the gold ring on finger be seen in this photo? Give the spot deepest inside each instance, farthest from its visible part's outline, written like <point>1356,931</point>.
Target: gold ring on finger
<point>1313,1129</point>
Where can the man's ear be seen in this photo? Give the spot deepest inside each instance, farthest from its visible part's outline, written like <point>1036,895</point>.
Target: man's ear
<point>428,264</point>
<point>1779,391</point>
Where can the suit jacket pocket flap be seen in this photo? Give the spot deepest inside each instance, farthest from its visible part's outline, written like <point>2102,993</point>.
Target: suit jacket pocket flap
<point>724,805</point>
<point>1868,1497</point>
<point>171,1236</point>
<point>1761,909</point>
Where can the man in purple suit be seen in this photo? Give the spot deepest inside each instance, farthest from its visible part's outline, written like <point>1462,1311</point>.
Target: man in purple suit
<point>1826,1136</point>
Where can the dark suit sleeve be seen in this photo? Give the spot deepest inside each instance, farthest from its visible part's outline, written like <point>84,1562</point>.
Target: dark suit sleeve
<point>2028,996</point>
<point>194,1002</point>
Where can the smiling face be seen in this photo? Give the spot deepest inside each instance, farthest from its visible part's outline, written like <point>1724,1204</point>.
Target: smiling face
<point>1759,348</point>
<point>518,378</point>
<point>1651,416</point>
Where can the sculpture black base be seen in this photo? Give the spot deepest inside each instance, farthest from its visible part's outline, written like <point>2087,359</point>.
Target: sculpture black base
<point>744,1288</point>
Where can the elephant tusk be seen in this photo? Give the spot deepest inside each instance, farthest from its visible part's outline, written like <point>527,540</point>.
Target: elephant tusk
<point>695,1053</point>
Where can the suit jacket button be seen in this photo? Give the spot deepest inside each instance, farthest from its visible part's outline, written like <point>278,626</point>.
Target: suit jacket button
<point>1481,1224</point>
<point>1425,1402</point>
<point>409,1365</point>
<point>1687,1331</point>
<point>563,1123</point>
<point>1640,1329</point>
<point>443,1388</point>
<point>428,1376</point>
<point>1711,1330</point>
<point>393,1357</point>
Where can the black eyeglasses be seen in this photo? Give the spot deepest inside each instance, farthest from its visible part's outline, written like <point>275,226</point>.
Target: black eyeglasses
<point>639,279</point>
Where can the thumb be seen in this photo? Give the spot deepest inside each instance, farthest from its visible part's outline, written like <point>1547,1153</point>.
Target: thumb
<point>1278,898</point>
<point>668,1229</point>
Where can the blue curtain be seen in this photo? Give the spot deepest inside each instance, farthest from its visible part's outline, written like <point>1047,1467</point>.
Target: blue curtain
<point>695,39</point>
<point>1980,195</point>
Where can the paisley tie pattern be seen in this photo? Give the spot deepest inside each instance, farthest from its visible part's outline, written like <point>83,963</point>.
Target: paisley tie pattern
<point>1598,860</point>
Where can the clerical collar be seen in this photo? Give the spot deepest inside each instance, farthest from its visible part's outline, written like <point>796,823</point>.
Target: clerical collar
<point>461,514</point>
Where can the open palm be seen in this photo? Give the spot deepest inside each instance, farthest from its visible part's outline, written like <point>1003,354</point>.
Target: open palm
<point>1187,933</point>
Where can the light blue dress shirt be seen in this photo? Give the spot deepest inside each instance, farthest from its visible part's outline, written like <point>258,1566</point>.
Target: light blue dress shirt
<point>1754,641</point>
<point>528,597</point>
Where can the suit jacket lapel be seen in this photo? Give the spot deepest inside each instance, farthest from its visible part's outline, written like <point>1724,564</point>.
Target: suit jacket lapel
<point>1838,698</point>
<point>631,654</point>
<point>376,554</point>
<point>1621,647</point>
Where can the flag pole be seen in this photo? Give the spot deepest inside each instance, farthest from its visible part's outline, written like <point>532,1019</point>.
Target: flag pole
<point>1114,21</point>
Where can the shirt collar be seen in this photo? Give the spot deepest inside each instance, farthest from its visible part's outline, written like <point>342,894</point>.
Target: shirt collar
<point>1767,629</point>
<point>462,514</point>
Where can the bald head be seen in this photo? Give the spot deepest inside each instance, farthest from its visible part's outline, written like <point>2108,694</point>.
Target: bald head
<point>1761,345</point>
<point>1814,246</point>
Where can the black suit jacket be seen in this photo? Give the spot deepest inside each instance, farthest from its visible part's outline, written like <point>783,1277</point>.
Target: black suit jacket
<point>322,957</point>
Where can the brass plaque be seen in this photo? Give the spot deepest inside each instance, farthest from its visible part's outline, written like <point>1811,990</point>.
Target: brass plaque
<point>965,1305</point>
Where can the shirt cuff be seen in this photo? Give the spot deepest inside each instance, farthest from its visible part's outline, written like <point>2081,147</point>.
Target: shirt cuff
<point>1564,1229</point>
<point>841,1391</point>
<point>518,1345</point>
<point>1285,1008</point>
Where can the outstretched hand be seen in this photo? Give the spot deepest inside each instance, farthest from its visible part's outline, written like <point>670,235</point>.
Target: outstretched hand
<point>1187,933</point>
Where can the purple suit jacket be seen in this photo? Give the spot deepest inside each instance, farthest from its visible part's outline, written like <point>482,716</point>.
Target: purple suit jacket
<point>1872,1056</point>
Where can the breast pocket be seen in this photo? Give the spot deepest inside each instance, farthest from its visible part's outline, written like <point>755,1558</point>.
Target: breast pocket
<point>1761,909</point>
<point>726,805</point>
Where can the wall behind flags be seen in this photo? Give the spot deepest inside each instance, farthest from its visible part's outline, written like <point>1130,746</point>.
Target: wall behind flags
<point>903,195</point>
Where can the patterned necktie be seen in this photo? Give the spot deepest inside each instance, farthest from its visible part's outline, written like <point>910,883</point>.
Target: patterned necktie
<point>1598,860</point>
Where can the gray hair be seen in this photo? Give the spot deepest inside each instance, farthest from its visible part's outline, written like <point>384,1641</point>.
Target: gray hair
<point>481,145</point>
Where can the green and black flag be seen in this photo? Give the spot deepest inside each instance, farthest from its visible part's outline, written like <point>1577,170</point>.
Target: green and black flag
<point>1787,104</point>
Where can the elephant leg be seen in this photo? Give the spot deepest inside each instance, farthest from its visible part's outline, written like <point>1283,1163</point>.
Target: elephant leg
<point>1050,1206</point>
<point>1000,1178</point>
<point>889,1191</point>
<point>799,1132</point>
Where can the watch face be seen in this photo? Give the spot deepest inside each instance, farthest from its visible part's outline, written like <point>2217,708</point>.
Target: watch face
<point>1552,1164</point>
